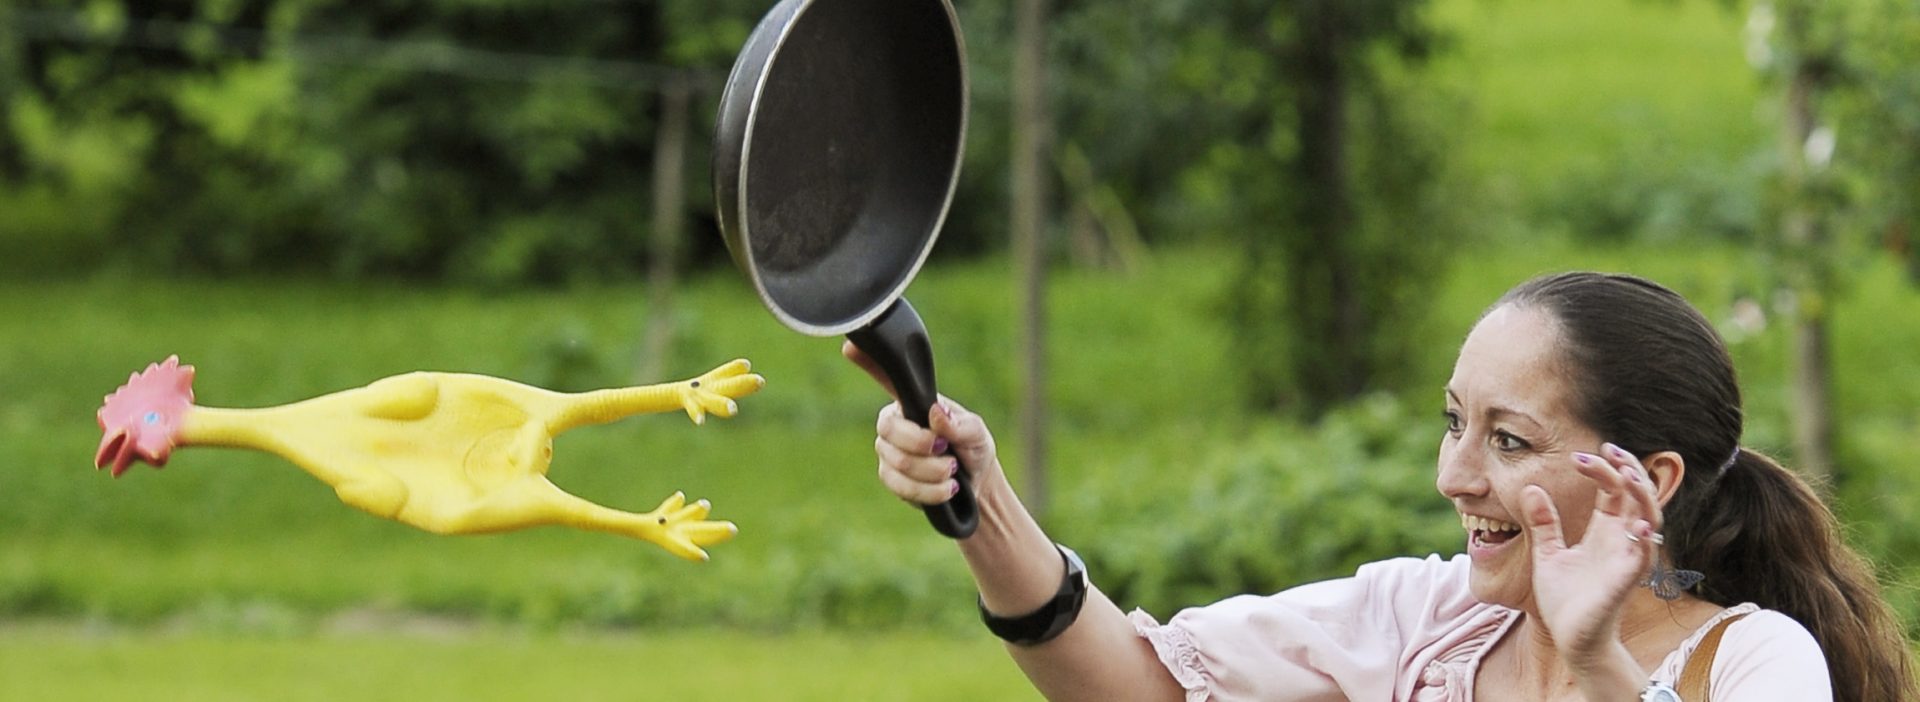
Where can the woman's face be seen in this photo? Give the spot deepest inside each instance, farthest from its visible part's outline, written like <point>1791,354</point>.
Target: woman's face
<point>1509,425</point>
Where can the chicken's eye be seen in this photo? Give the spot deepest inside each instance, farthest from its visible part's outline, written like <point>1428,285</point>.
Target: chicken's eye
<point>152,418</point>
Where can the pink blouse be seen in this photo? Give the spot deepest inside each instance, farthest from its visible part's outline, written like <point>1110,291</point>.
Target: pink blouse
<point>1408,629</point>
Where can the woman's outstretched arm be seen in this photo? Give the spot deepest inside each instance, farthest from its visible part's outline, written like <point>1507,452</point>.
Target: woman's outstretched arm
<point>1014,563</point>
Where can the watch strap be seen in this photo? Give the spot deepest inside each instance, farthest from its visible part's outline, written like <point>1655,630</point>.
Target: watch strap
<point>1053,617</point>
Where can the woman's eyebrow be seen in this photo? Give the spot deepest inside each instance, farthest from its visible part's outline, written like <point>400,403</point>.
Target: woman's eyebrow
<point>1497,411</point>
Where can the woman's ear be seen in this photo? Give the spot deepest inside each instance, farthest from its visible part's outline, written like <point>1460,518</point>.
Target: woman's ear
<point>1666,469</point>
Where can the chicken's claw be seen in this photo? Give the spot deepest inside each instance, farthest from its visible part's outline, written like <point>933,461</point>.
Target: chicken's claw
<point>682,529</point>
<point>713,392</point>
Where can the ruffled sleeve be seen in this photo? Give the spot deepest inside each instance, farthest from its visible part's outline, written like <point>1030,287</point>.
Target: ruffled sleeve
<point>1176,650</point>
<point>1380,634</point>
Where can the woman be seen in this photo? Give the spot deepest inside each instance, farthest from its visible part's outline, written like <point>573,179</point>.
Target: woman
<point>1614,527</point>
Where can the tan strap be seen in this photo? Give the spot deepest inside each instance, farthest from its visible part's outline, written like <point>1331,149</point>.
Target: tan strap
<point>1695,676</point>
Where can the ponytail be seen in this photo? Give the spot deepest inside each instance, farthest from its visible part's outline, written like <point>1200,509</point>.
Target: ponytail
<point>1650,374</point>
<point>1763,535</point>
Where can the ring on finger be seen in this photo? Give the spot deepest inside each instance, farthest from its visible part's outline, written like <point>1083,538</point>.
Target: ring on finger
<point>1657,539</point>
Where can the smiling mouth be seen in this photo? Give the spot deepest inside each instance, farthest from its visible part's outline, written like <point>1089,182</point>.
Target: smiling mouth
<point>1488,532</point>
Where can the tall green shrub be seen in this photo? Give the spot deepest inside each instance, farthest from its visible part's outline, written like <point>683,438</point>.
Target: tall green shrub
<point>1287,506</point>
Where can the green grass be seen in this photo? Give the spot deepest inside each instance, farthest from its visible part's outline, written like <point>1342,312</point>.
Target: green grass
<point>65,662</point>
<point>1559,90</point>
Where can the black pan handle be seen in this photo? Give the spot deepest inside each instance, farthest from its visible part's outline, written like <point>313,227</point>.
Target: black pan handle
<point>897,340</point>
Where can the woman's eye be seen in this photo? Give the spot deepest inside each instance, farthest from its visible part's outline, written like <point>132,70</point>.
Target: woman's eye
<point>1453,421</point>
<point>1507,442</point>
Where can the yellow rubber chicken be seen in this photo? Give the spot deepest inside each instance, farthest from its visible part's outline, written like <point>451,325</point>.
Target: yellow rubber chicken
<point>451,453</point>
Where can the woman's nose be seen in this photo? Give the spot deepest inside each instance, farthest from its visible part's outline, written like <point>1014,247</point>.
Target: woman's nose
<point>1460,475</point>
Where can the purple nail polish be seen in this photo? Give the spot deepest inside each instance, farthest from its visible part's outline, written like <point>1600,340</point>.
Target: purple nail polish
<point>1582,459</point>
<point>939,446</point>
<point>953,467</point>
<point>955,490</point>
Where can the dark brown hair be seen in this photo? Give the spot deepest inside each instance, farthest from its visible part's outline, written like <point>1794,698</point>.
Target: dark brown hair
<point>1650,374</point>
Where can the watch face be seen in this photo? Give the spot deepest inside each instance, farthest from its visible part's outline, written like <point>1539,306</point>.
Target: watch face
<point>1659,692</point>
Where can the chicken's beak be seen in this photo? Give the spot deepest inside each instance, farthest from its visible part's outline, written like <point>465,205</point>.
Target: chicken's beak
<point>116,449</point>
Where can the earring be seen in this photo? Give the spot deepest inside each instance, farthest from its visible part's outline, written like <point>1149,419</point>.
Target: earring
<point>1669,583</point>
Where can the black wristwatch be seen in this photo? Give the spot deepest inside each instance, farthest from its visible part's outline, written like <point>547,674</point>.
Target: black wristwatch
<point>1052,618</point>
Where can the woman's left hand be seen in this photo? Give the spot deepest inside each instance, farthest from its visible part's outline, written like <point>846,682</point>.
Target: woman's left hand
<point>1579,589</point>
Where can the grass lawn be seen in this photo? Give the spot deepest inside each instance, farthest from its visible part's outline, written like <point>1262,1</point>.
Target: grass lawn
<point>1558,89</point>
<point>66,662</point>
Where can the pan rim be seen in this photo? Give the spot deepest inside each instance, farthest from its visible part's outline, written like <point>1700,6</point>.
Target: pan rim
<point>940,218</point>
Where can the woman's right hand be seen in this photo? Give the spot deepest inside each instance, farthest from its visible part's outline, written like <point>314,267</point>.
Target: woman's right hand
<point>914,460</point>
<point>1016,566</point>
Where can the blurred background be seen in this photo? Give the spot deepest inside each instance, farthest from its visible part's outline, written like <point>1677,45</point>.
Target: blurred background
<point>1207,268</point>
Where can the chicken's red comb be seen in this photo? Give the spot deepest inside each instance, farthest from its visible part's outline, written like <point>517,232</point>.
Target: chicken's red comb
<point>166,383</point>
<point>141,418</point>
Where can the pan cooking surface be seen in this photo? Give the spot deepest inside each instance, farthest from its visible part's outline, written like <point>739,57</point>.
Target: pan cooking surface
<point>853,148</point>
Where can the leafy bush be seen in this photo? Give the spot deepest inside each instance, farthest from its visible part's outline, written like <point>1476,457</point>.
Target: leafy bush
<point>1642,191</point>
<point>1288,505</point>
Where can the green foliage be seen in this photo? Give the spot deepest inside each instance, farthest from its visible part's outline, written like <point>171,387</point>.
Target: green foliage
<point>1206,128</point>
<point>1287,505</point>
<point>346,138</point>
<point>445,140</point>
<point>1877,117</point>
<point>1357,307</point>
<point>1640,192</point>
<point>1877,457</point>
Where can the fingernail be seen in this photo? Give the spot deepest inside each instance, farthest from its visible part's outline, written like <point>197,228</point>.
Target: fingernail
<point>954,490</point>
<point>953,467</point>
<point>941,409</point>
<point>1616,450</point>
<point>939,446</point>
<point>1632,475</point>
<point>1582,459</point>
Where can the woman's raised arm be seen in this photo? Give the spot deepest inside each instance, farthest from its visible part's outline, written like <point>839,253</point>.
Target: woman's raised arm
<point>1016,567</point>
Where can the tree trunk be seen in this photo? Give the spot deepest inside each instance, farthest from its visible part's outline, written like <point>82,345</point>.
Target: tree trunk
<point>1320,270</point>
<point>1812,396</point>
<point>1899,242</point>
<point>1031,134</point>
<point>669,217</point>
<point>1804,235</point>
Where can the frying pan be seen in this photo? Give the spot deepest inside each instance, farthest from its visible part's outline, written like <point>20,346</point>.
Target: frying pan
<point>834,162</point>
